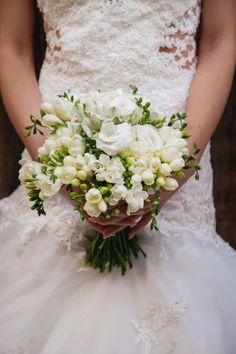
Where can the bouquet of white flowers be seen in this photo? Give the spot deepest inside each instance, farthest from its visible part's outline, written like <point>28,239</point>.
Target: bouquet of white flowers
<point>110,150</point>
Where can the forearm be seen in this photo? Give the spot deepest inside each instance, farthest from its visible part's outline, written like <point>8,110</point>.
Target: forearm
<point>20,94</point>
<point>209,91</point>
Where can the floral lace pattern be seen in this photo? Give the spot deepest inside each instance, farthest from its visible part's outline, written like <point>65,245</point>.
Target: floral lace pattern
<point>154,327</point>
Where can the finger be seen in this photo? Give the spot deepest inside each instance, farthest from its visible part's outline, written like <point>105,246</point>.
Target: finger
<point>116,219</point>
<point>140,225</point>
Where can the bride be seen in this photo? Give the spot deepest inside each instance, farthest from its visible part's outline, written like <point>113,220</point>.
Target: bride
<point>180,299</point>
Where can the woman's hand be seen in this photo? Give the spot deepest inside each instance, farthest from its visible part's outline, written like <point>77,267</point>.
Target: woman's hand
<point>136,221</point>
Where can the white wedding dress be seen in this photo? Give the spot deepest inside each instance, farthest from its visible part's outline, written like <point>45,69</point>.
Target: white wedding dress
<point>181,298</point>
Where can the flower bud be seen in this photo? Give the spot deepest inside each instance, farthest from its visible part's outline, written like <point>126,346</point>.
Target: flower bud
<point>81,175</point>
<point>161,181</point>
<point>148,177</point>
<point>171,184</point>
<point>165,169</point>
<point>177,164</point>
<point>75,182</point>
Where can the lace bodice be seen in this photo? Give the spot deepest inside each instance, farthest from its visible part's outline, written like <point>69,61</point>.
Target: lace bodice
<point>106,44</point>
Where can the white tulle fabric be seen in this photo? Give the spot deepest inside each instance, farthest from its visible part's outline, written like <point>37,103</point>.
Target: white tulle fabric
<point>181,298</point>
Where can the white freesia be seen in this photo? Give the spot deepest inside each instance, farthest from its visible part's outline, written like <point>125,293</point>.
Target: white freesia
<point>64,109</point>
<point>135,198</point>
<point>165,169</point>
<point>136,179</point>
<point>51,119</point>
<point>47,108</point>
<point>65,173</point>
<point>69,161</point>
<point>148,177</point>
<point>77,146</point>
<point>118,192</point>
<point>28,169</point>
<point>112,171</point>
<point>112,138</point>
<point>93,196</point>
<point>169,154</point>
<point>140,165</point>
<point>92,209</point>
<point>177,164</point>
<point>123,105</point>
<point>47,187</point>
<point>170,184</point>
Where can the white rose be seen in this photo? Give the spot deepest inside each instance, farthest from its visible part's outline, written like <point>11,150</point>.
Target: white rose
<point>65,173</point>
<point>51,119</point>
<point>93,196</point>
<point>47,187</point>
<point>171,184</point>
<point>165,169</point>
<point>148,137</point>
<point>148,177</point>
<point>177,164</point>
<point>118,192</point>
<point>114,138</point>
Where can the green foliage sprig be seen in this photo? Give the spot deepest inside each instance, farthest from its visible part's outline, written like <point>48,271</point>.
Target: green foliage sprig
<point>34,128</point>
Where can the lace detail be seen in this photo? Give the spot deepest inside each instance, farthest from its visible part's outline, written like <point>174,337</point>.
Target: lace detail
<point>154,327</point>
<point>21,347</point>
<point>107,44</point>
